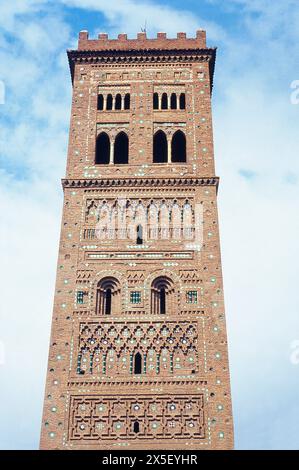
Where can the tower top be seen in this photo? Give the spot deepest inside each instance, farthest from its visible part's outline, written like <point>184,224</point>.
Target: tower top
<point>124,50</point>
<point>103,42</point>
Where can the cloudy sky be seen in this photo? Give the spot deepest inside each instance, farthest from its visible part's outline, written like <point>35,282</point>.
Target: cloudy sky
<point>256,126</point>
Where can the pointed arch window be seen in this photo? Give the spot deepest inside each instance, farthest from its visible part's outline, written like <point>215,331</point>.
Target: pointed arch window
<point>156,101</point>
<point>138,363</point>
<point>102,149</point>
<point>160,147</point>
<point>121,149</point>
<point>178,147</point>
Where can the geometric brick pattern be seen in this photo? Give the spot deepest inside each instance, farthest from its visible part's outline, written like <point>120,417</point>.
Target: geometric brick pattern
<point>108,348</point>
<point>97,418</point>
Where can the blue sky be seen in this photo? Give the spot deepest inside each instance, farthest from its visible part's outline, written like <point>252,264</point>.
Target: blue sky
<point>256,150</point>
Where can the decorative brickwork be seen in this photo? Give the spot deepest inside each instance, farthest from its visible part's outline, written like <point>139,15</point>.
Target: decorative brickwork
<point>138,350</point>
<point>125,417</point>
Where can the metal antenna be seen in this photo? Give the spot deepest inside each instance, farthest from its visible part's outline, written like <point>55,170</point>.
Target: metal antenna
<point>143,30</point>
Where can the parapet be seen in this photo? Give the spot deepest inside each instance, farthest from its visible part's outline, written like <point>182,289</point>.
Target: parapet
<point>141,42</point>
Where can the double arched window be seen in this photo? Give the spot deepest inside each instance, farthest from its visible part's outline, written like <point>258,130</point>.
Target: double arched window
<point>169,150</point>
<point>112,151</point>
<point>169,101</point>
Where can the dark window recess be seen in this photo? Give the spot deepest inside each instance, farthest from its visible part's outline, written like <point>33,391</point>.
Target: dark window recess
<point>127,101</point>
<point>118,102</point>
<point>160,147</point>
<point>102,149</point>
<point>162,301</point>
<point>164,101</point>
<point>182,101</point>
<point>100,102</point>
<point>121,149</point>
<point>137,363</point>
<point>178,147</point>
<point>109,102</point>
<point>173,104</point>
<point>136,427</point>
<point>108,303</point>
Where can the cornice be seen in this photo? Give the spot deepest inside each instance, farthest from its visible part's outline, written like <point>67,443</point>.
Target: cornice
<point>133,56</point>
<point>187,381</point>
<point>138,182</point>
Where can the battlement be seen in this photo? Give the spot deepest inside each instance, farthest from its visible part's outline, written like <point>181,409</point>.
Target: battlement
<point>141,42</point>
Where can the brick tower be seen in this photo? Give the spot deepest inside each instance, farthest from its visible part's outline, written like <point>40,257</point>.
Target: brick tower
<point>138,351</point>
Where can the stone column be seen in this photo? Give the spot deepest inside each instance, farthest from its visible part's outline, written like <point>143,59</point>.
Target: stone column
<point>111,151</point>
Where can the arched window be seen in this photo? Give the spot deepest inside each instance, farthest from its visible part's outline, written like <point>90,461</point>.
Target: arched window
<point>108,296</point>
<point>156,101</point>
<point>173,104</point>
<point>160,147</point>
<point>136,427</point>
<point>178,147</point>
<point>139,239</point>
<point>162,296</point>
<point>109,102</point>
<point>118,101</point>
<point>164,101</point>
<point>137,363</point>
<point>121,149</point>
<point>100,102</point>
<point>102,149</point>
<point>127,101</point>
<point>182,101</point>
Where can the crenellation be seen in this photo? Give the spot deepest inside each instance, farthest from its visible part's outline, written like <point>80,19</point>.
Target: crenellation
<point>141,42</point>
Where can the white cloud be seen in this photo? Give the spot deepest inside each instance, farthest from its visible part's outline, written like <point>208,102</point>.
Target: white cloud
<point>129,16</point>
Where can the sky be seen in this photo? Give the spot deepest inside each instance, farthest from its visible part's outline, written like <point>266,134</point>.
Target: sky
<point>256,130</point>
